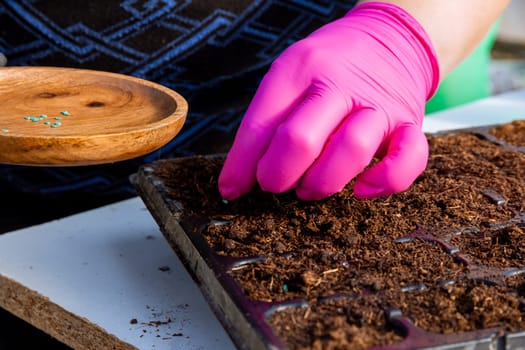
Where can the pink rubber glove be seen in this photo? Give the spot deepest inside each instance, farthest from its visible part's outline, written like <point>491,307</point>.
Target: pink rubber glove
<point>353,90</point>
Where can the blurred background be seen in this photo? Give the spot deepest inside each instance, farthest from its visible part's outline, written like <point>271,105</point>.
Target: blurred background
<point>507,66</point>
<point>496,66</point>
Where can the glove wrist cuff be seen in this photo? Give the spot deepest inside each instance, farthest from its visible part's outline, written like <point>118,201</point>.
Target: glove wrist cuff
<point>414,36</point>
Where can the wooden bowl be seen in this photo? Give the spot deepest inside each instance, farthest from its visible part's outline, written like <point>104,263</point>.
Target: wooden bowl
<point>67,117</point>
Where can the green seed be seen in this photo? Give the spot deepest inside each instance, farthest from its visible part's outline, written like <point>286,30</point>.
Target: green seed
<point>43,116</point>
<point>47,123</point>
<point>35,119</point>
<point>66,113</point>
<point>5,130</point>
<point>58,118</point>
<point>27,117</point>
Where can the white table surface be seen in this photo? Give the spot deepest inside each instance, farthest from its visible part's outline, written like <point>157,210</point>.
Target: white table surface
<point>103,264</point>
<point>493,110</point>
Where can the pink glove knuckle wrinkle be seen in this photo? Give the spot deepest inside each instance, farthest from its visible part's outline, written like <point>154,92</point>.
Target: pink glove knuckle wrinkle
<point>353,89</point>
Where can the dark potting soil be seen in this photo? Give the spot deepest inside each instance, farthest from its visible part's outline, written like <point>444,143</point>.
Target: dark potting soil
<point>511,133</point>
<point>447,253</point>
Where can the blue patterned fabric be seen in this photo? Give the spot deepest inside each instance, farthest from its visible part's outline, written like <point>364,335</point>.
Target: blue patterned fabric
<point>212,52</point>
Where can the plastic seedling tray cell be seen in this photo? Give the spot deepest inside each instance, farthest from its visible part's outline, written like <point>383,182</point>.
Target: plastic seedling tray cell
<point>439,266</point>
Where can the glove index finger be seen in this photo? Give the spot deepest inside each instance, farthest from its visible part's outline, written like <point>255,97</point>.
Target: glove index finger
<point>275,98</point>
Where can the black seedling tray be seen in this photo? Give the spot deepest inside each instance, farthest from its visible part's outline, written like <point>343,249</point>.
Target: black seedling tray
<point>220,275</point>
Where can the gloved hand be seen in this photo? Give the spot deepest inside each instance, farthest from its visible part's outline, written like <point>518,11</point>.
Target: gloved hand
<point>353,90</point>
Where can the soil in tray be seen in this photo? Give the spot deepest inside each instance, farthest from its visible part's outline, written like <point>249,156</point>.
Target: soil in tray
<point>447,252</point>
<point>511,133</point>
